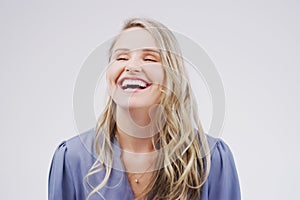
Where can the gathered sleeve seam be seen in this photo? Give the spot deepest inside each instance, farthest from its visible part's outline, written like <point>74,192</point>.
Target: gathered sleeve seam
<point>69,169</point>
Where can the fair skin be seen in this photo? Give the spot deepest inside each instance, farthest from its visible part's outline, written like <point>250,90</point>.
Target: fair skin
<point>135,77</point>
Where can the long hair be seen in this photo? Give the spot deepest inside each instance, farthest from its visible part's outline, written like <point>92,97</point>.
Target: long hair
<point>184,161</point>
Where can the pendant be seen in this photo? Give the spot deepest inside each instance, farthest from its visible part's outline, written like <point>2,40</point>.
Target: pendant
<point>136,181</point>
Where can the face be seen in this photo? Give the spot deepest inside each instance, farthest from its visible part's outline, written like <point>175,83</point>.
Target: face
<point>135,74</point>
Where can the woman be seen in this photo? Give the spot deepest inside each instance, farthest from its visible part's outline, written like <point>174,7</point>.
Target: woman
<point>148,143</point>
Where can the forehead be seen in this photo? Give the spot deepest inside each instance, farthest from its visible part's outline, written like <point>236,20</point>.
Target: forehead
<point>135,38</point>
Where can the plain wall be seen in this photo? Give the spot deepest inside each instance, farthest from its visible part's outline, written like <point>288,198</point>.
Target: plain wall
<point>254,44</point>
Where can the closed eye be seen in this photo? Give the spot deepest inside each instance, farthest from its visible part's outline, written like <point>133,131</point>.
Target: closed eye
<point>150,60</point>
<point>121,58</point>
<point>151,57</point>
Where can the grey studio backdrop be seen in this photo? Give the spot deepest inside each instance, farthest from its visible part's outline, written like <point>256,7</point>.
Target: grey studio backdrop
<point>253,44</point>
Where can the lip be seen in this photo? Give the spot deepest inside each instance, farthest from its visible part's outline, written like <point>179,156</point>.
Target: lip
<point>119,82</point>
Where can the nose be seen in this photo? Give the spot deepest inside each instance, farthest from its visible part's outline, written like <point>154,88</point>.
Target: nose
<point>133,66</point>
<point>132,69</point>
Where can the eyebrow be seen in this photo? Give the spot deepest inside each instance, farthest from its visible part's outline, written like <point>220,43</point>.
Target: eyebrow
<point>144,50</point>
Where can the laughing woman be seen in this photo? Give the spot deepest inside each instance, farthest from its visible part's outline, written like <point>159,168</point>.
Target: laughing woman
<point>148,142</point>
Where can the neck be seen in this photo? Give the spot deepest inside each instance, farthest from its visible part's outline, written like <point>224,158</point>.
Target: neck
<point>134,144</point>
<point>138,154</point>
<point>135,130</point>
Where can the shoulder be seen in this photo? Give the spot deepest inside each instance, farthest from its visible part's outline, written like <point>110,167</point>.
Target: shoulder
<point>76,147</point>
<point>218,148</point>
<point>84,140</point>
<point>222,182</point>
<point>221,154</point>
<point>71,161</point>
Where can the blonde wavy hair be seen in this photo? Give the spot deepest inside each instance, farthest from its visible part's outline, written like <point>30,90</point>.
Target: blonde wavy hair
<point>184,160</point>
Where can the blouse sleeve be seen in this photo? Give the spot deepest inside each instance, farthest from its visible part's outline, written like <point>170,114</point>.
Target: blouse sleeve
<point>60,183</point>
<point>223,183</point>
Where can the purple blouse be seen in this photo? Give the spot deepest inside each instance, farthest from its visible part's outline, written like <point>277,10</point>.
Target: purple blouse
<point>73,159</point>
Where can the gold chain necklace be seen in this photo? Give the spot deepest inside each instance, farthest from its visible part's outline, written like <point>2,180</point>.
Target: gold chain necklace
<point>136,180</point>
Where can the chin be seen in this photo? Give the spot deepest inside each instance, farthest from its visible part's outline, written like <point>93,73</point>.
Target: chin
<point>134,105</point>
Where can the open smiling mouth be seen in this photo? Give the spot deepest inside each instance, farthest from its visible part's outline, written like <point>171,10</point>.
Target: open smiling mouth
<point>133,84</point>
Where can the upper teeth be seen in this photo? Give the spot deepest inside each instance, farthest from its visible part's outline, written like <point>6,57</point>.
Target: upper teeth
<point>127,82</point>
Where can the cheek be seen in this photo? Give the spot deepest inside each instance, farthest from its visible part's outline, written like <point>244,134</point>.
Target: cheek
<point>156,74</point>
<point>112,74</point>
